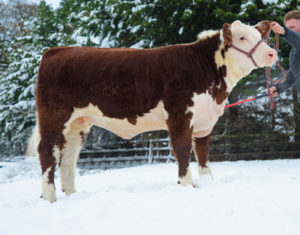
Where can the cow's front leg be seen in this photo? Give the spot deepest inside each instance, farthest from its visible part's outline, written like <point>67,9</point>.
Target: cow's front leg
<point>201,149</point>
<point>181,140</point>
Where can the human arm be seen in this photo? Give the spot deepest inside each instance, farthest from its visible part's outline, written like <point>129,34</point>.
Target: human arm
<point>287,34</point>
<point>291,37</point>
<point>278,88</point>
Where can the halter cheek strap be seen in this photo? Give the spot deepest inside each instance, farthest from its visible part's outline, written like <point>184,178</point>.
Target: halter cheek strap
<point>250,53</point>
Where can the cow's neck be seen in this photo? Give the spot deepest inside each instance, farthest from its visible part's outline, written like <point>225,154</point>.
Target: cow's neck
<point>234,72</point>
<point>210,43</point>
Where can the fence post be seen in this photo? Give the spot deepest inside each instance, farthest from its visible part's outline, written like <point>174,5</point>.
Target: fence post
<point>150,154</point>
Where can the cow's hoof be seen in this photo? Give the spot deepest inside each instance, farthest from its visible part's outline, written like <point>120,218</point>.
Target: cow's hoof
<point>194,185</point>
<point>186,179</point>
<point>51,200</point>
<point>48,193</point>
<point>205,170</point>
<point>69,192</point>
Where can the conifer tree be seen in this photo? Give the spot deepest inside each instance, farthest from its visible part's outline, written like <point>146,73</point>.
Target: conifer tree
<point>114,23</point>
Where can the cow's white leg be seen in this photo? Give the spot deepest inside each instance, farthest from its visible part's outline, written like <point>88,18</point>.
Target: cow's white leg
<point>48,165</point>
<point>205,170</point>
<point>48,189</point>
<point>201,149</point>
<point>187,179</point>
<point>74,141</point>
<point>67,163</point>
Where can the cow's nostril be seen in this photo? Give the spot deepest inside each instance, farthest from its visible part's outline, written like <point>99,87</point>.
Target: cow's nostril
<point>272,55</point>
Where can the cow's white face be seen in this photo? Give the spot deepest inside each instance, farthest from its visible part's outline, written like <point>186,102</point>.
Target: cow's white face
<point>246,37</point>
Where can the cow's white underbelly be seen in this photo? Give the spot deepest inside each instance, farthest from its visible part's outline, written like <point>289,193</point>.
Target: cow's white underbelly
<point>206,113</point>
<point>155,119</point>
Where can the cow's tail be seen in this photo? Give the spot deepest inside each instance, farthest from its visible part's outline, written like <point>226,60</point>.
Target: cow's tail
<point>33,142</point>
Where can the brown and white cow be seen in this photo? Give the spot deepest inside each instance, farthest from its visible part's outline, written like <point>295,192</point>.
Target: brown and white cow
<point>179,88</point>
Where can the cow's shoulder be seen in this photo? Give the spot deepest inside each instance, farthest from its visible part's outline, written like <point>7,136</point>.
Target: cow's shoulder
<point>57,51</point>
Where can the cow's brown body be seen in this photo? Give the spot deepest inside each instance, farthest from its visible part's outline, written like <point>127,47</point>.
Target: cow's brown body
<point>180,88</point>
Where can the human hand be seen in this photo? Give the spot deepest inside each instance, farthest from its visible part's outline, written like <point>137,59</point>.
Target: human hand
<point>273,91</point>
<point>277,28</point>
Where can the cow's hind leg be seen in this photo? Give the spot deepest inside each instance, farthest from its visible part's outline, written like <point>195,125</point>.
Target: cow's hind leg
<point>181,139</point>
<point>201,149</point>
<point>75,137</point>
<point>48,152</point>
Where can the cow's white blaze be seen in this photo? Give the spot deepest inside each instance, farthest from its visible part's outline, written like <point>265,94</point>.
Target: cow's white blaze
<point>233,72</point>
<point>238,65</point>
<point>251,36</point>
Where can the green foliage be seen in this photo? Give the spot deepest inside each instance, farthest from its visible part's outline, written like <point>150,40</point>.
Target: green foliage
<point>113,23</point>
<point>17,100</point>
<point>17,106</point>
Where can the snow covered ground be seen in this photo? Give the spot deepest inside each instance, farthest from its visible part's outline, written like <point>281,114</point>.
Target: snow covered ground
<point>256,197</point>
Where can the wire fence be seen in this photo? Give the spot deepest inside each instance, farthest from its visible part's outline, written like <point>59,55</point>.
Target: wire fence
<point>129,153</point>
<point>223,148</point>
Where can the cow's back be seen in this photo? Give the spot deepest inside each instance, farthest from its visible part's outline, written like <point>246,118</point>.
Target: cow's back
<point>121,82</point>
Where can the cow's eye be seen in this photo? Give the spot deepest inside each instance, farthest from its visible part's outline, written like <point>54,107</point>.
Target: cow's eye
<point>242,38</point>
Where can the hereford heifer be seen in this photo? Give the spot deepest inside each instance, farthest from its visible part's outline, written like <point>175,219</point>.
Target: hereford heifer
<point>179,88</point>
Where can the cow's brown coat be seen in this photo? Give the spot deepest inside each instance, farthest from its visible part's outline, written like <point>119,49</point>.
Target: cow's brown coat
<point>127,84</point>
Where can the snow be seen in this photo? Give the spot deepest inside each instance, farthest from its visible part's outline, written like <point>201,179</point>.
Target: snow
<point>270,1</point>
<point>180,31</point>
<point>53,3</point>
<point>253,197</point>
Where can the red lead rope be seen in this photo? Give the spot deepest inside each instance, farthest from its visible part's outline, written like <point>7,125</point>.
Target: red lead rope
<point>244,101</point>
<point>240,102</point>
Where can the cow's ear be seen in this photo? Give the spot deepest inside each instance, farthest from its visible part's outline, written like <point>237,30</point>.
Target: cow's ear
<point>227,35</point>
<point>263,27</point>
